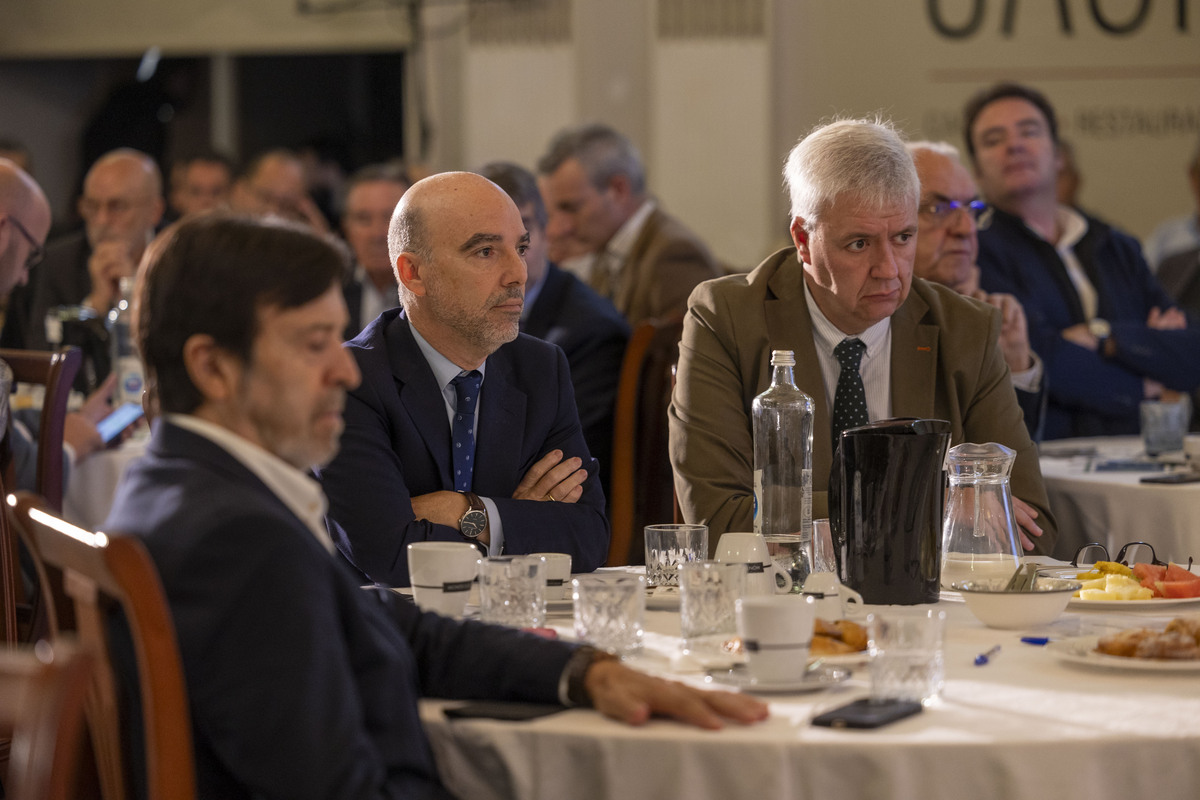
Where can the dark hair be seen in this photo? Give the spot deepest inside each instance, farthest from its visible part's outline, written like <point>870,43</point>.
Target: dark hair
<point>1000,91</point>
<point>206,156</point>
<point>519,184</point>
<point>386,171</point>
<point>211,274</point>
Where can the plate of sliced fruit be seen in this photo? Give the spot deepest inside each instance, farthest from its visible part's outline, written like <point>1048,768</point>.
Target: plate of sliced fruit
<point>1109,585</point>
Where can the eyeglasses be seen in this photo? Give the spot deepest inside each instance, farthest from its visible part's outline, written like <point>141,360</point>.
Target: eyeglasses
<point>1130,553</point>
<point>36,251</point>
<point>940,210</point>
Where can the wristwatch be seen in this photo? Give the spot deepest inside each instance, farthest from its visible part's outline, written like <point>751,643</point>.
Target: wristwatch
<point>1102,331</point>
<point>475,520</point>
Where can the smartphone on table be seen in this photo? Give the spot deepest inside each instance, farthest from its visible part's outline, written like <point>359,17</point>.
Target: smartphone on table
<point>867,713</point>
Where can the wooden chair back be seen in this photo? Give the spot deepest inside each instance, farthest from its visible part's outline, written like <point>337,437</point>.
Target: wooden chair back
<point>86,577</point>
<point>43,690</point>
<point>55,370</point>
<point>643,486</point>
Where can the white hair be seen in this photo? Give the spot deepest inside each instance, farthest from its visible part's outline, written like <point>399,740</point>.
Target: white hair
<point>860,158</point>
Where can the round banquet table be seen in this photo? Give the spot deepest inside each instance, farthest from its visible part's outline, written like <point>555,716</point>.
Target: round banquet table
<point>1026,725</point>
<point>1114,507</point>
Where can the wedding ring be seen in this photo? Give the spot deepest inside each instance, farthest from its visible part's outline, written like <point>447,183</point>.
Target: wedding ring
<point>550,497</point>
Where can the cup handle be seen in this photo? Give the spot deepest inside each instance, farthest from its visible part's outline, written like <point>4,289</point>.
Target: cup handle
<point>787,579</point>
<point>850,596</point>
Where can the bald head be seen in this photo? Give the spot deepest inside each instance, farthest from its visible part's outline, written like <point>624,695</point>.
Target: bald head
<point>458,244</point>
<point>122,199</point>
<point>24,223</point>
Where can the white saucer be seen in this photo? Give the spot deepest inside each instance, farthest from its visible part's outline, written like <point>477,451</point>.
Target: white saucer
<point>740,678</point>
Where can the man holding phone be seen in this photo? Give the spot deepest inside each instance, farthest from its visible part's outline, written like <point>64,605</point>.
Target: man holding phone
<point>24,224</point>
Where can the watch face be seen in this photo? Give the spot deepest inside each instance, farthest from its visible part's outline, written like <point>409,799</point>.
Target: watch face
<point>473,523</point>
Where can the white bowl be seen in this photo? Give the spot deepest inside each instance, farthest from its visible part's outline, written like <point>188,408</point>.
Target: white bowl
<point>997,608</point>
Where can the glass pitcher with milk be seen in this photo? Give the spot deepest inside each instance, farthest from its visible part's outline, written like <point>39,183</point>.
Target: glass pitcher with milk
<point>979,530</point>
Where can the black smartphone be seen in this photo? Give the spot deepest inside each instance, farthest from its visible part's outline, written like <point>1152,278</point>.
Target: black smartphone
<point>1173,477</point>
<point>501,710</point>
<point>118,420</point>
<point>867,713</point>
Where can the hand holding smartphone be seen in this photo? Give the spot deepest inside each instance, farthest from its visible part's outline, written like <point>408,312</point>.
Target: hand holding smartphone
<point>118,420</point>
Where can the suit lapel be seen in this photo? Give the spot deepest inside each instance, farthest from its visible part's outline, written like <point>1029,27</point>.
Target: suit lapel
<point>501,431</point>
<point>420,396</point>
<point>914,360</point>
<point>548,301</point>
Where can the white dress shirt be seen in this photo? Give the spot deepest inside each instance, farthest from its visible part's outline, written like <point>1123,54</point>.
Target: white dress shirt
<point>875,367</point>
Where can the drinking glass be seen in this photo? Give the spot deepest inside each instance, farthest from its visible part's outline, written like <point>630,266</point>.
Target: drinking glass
<point>668,546</point>
<point>907,660</point>
<point>708,593</point>
<point>610,611</point>
<point>1164,425</point>
<point>512,591</point>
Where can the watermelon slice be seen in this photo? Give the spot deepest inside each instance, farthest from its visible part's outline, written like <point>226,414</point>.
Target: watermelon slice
<point>1177,573</point>
<point>1153,572</point>
<point>1178,588</point>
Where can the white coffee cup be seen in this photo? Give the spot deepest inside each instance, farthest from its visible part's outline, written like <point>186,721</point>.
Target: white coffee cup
<point>761,570</point>
<point>1191,450</point>
<point>830,597</point>
<point>776,633</point>
<point>441,574</point>
<point>558,575</point>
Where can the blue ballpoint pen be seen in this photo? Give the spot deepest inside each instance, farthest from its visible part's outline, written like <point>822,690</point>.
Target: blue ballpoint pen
<point>984,658</point>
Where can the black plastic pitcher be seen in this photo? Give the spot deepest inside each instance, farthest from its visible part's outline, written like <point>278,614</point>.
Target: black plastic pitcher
<point>885,509</point>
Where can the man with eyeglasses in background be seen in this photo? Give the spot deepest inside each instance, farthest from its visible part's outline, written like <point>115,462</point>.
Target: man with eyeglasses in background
<point>121,206</point>
<point>947,246</point>
<point>24,224</point>
<point>1109,334</point>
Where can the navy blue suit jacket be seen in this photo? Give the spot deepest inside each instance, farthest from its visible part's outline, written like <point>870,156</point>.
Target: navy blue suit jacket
<point>397,446</point>
<point>301,684</point>
<point>592,334</point>
<point>1089,395</point>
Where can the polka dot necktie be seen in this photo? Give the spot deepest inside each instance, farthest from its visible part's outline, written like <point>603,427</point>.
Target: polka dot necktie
<point>466,387</point>
<point>850,399</point>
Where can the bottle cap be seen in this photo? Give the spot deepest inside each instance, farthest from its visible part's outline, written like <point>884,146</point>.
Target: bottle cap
<point>783,358</point>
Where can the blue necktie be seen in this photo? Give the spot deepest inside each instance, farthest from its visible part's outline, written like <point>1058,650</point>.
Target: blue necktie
<point>850,399</point>
<point>466,387</point>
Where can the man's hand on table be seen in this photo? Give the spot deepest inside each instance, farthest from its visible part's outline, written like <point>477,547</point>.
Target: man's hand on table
<point>552,478</point>
<point>1026,527</point>
<point>633,697</point>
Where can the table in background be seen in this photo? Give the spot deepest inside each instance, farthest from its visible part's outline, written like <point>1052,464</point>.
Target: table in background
<point>1026,725</point>
<point>1114,507</point>
<point>93,483</point>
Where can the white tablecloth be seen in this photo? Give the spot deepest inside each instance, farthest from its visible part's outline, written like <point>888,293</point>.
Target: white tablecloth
<point>1027,725</point>
<point>1114,507</point>
<point>93,483</point>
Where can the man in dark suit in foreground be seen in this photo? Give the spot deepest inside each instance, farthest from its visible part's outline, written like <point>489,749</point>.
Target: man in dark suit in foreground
<point>419,460</point>
<point>302,684</point>
<point>561,309</point>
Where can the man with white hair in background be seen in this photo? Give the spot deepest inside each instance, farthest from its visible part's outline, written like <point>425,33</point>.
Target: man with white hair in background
<point>871,342</point>
<point>946,250</point>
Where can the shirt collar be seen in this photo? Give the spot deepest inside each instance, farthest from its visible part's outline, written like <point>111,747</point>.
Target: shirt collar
<point>299,492</point>
<point>444,370</point>
<point>829,336</point>
<point>1073,226</point>
<point>622,241</point>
